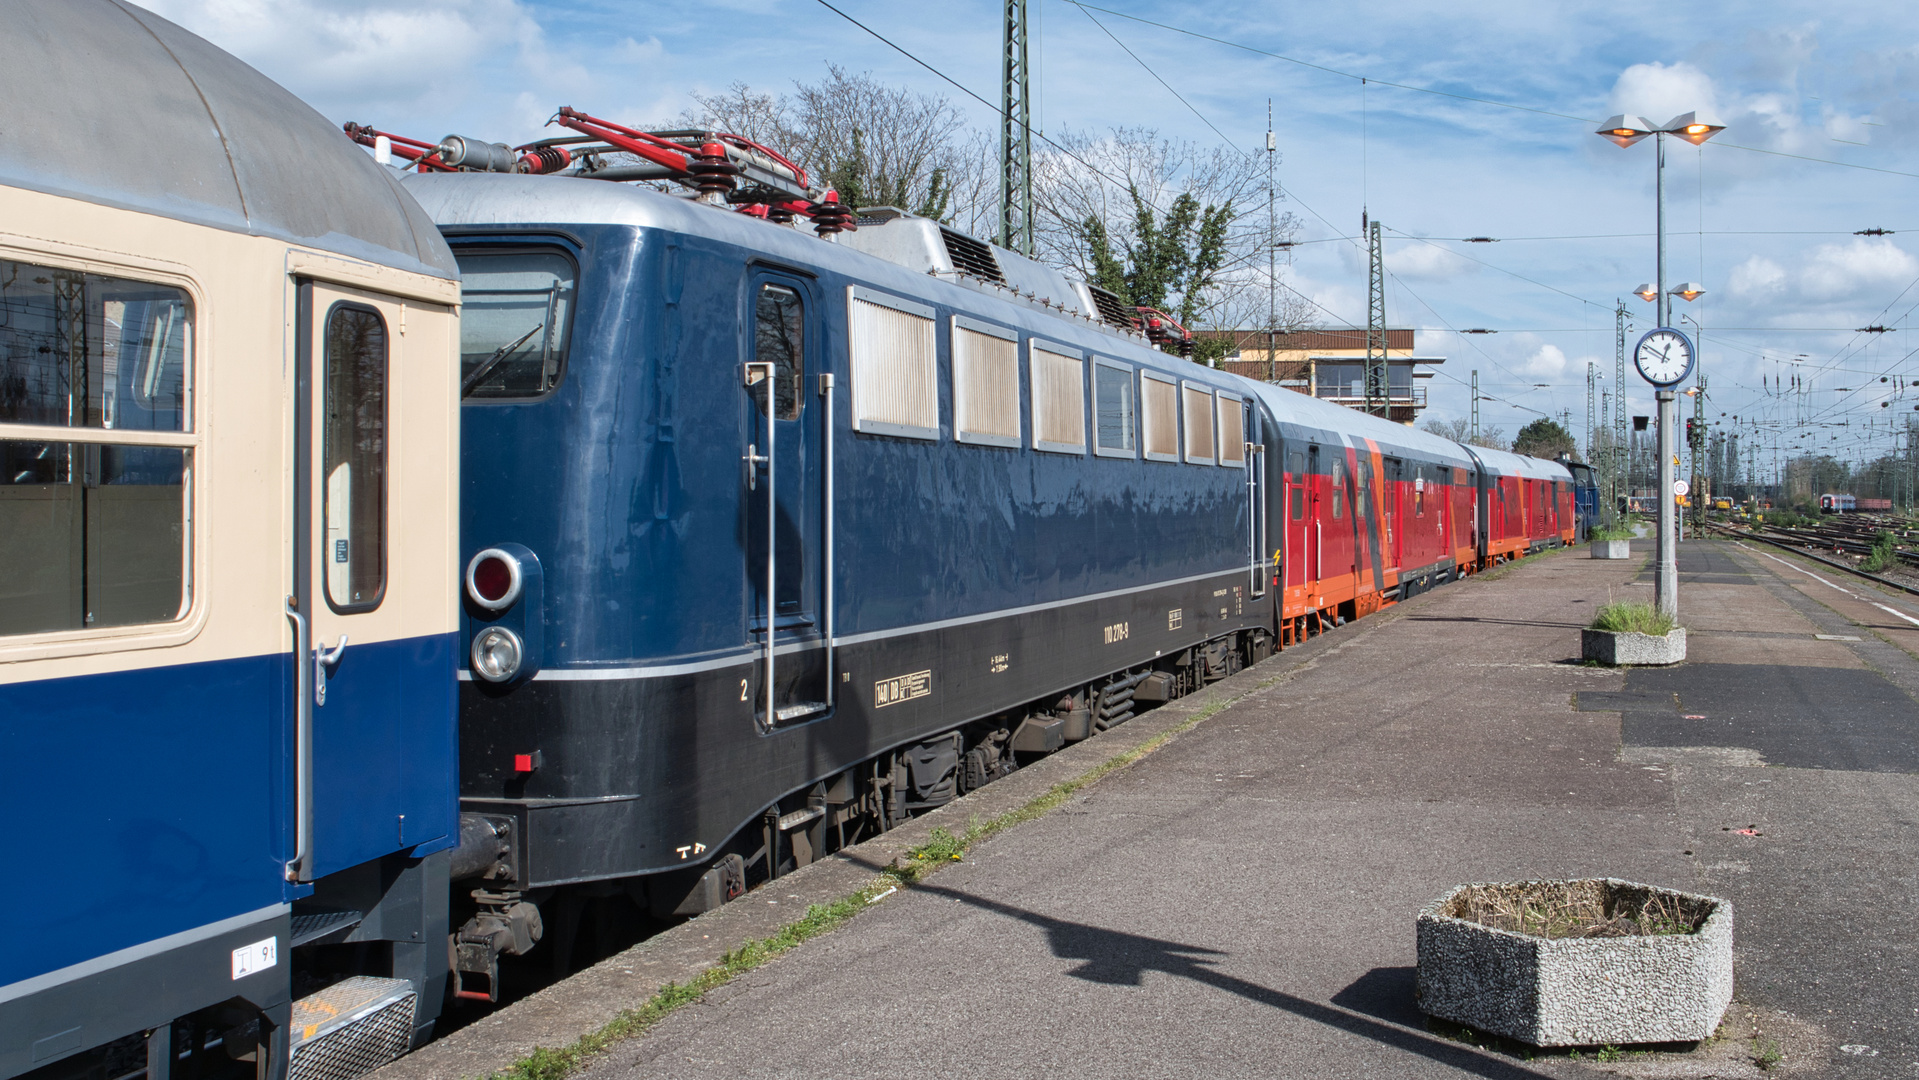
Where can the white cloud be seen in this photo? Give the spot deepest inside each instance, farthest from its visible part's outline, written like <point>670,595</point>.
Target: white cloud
<point>1548,360</point>
<point>1865,265</point>
<point>1756,279</point>
<point>1426,262</point>
<point>1660,92</point>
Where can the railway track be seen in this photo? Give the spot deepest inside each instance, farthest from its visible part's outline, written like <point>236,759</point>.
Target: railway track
<point>1802,541</point>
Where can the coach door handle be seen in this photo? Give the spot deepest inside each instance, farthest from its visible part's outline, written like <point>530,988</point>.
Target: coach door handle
<point>323,661</point>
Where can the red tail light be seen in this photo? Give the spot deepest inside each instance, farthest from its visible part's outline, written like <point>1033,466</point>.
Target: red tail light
<point>493,579</point>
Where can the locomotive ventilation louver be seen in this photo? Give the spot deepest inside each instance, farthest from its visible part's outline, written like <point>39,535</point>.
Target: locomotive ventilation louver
<point>1112,310</point>
<point>972,257</point>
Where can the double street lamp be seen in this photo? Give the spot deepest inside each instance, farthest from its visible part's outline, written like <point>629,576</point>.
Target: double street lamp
<point>1625,131</point>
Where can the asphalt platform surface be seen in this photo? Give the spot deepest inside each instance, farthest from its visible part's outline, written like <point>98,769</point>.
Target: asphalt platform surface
<point>1240,902</point>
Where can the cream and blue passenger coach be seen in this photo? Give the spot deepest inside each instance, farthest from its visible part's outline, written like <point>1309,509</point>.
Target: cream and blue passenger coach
<point>227,443</point>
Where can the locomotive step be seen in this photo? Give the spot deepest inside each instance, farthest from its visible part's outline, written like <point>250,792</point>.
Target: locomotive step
<point>310,927</point>
<point>351,1028</point>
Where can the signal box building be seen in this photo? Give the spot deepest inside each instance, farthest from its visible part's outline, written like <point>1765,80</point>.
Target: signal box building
<point>1331,364</point>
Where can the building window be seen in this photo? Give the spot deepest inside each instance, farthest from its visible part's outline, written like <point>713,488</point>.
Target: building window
<point>1113,411</point>
<point>892,357</point>
<point>985,383</point>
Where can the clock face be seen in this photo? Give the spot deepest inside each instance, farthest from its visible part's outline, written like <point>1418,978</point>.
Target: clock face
<point>1664,356</point>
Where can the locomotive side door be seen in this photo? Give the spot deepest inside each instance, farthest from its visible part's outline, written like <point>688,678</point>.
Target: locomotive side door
<point>373,520</point>
<point>787,421</point>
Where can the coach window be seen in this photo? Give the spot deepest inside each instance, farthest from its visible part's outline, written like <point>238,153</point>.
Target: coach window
<point>515,308</point>
<point>1113,412</point>
<point>95,530</point>
<point>1059,397</point>
<point>1296,464</point>
<point>353,457</point>
<point>779,339</point>
<point>1339,489</point>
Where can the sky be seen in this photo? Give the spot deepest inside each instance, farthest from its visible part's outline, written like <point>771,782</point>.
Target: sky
<point>1375,111</point>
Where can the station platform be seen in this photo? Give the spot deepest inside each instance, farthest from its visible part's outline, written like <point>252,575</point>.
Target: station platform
<point>1240,901</point>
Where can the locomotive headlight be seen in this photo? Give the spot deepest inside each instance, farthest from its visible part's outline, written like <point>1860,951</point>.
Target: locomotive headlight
<point>497,653</point>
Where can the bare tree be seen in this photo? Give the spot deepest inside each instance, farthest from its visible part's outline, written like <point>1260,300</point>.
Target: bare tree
<point>1183,226</point>
<point>1458,429</point>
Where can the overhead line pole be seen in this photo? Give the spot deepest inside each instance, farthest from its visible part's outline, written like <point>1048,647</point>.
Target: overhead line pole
<point>1377,400</point>
<point>1016,136</point>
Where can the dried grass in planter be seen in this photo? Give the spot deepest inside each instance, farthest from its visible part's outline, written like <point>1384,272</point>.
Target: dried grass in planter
<point>1577,909</point>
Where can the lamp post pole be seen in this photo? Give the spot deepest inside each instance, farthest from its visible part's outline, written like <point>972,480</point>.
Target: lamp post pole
<point>1665,582</point>
<point>1624,131</point>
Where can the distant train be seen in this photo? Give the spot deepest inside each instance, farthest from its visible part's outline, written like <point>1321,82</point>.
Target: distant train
<point>1846,504</point>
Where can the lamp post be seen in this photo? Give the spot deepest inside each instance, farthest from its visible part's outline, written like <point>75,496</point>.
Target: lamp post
<point>1625,131</point>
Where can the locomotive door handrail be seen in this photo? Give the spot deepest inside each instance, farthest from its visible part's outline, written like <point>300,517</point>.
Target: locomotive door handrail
<point>760,373</point>
<point>826,523</point>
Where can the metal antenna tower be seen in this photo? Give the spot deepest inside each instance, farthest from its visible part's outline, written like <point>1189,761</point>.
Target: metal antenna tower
<point>1377,401</point>
<point>1016,137</point>
<point>1475,438</point>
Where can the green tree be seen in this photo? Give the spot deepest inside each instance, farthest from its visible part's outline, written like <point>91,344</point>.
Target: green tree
<point>1544,438</point>
<point>1172,261</point>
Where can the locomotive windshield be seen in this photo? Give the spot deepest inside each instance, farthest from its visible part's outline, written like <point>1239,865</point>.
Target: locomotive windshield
<point>516,307</point>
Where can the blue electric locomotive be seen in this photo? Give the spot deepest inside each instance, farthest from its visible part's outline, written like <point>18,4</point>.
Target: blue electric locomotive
<point>227,434</point>
<point>773,543</point>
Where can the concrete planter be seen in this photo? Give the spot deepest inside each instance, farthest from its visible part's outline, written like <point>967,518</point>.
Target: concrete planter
<point>1591,991</point>
<point>1612,549</point>
<point>1620,649</point>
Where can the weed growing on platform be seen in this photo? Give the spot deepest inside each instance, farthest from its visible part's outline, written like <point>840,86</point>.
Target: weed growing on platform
<point>1766,1054</point>
<point>1632,617</point>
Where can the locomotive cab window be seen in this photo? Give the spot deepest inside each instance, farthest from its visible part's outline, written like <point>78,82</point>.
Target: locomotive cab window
<point>779,339</point>
<point>353,458</point>
<point>1113,412</point>
<point>96,531</point>
<point>516,306</point>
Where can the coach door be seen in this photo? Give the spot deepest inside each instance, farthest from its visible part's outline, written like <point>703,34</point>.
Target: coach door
<point>787,458</point>
<point>366,709</point>
<point>1256,511</point>
<point>1302,517</point>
